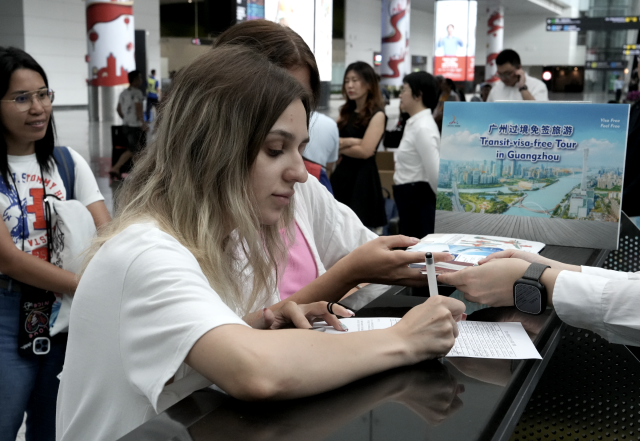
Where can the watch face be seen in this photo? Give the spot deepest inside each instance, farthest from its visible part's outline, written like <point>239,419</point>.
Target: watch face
<point>528,298</point>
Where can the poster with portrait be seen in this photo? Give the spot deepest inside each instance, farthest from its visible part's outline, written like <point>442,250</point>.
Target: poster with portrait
<point>455,39</point>
<point>556,167</point>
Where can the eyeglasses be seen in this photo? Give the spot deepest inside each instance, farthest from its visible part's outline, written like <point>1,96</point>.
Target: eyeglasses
<point>507,74</point>
<point>24,101</point>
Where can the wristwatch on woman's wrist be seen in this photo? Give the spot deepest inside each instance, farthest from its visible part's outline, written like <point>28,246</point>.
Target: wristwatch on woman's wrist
<point>529,295</point>
<point>523,88</point>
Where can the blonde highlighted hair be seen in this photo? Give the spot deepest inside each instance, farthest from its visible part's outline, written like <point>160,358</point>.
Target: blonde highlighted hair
<point>193,179</point>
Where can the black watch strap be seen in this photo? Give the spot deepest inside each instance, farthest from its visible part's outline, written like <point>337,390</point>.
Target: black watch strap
<point>535,270</point>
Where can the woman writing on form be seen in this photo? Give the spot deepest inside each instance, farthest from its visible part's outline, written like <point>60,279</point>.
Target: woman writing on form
<point>174,279</point>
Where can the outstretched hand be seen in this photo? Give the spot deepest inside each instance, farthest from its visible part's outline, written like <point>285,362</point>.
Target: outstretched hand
<point>377,262</point>
<point>490,283</point>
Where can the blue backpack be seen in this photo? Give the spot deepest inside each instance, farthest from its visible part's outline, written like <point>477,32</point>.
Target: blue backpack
<point>67,169</point>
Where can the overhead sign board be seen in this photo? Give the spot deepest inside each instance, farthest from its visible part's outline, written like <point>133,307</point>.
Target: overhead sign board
<point>621,64</point>
<point>568,24</point>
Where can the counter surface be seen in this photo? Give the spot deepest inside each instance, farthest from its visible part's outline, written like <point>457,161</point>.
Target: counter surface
<point>449,399</point>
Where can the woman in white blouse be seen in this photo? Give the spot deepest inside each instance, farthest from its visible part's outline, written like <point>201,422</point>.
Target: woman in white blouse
<point>603,301</point>
<point>416,176</point>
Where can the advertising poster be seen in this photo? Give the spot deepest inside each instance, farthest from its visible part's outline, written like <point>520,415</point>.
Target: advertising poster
<point>557,167</point>
<point>313,21</point>
<point>455,39</point>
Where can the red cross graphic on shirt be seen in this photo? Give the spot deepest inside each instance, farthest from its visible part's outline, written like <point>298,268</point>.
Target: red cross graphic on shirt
<point>38,208</point>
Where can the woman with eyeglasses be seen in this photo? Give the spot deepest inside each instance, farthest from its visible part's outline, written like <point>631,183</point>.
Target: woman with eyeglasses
<point>29,172</point>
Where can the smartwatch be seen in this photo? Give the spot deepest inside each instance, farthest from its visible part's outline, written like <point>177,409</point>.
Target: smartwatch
<point>523,88</point>
<point>529,295</point>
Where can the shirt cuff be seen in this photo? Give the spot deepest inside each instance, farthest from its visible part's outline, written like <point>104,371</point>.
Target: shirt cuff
<point>577,299</point>
<point>601,272</point>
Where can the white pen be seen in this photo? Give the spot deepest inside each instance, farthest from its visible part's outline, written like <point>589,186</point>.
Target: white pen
<point>431,274</point>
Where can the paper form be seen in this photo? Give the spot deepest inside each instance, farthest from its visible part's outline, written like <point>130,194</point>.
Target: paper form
<point>493,340</point>
<point>361,324</point>
<point>503,340</point>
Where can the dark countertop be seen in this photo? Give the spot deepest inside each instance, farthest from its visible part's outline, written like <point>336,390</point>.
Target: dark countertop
<point>451,399</point>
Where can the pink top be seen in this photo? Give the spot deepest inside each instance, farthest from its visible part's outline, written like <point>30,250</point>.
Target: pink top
<point>301,266</point>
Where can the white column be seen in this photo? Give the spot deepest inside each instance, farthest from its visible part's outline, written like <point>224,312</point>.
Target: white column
<point>396,58</point>
<point>495,34</point>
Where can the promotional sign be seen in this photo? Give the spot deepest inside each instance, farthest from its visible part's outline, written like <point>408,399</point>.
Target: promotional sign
<point>455,39</point>
<point>396,61</point>
<point>110,42</point>
<point>313,21</point>
<point>562,164</point>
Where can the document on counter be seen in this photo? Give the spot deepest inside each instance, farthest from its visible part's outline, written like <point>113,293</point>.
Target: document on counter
<point>507,340</point>
<point>356,324</point>
<point>504,340</point>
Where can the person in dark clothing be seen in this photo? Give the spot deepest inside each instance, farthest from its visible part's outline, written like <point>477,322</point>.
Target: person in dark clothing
<point>356,182</point>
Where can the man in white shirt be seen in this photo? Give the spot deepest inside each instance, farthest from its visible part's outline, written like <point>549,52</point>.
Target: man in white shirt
<point>515,84</point>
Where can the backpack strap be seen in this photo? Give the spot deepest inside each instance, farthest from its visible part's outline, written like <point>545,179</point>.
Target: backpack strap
<point>67,169</point>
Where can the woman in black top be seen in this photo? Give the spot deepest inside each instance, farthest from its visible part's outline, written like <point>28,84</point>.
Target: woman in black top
<point>356,182</point>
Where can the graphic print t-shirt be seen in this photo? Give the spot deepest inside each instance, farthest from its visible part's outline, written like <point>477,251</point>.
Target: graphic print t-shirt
<point>128,99</point>
<point>24,218</point>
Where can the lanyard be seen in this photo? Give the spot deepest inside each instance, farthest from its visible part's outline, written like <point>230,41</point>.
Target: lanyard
<point>23,217</point>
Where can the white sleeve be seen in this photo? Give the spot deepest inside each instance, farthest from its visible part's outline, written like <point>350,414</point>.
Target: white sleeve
<point>491,96</point>
<point>337,230</point>
<point>429,152</point>
<point>167,305</point>
<point>609,307</point>
<point>539,91</point>
<point>335,141</point>
<point>86,188</point>
<point>609,274</point>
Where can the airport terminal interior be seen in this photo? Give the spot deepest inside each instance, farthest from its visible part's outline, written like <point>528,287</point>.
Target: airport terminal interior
<point>509,126</point>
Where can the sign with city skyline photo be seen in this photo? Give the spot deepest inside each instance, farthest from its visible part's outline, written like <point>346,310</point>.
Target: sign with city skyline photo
<point>554,171</point>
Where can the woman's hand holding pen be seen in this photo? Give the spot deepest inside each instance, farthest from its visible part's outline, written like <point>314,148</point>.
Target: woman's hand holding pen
<point>377,262</point>
<point>430,329</point>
